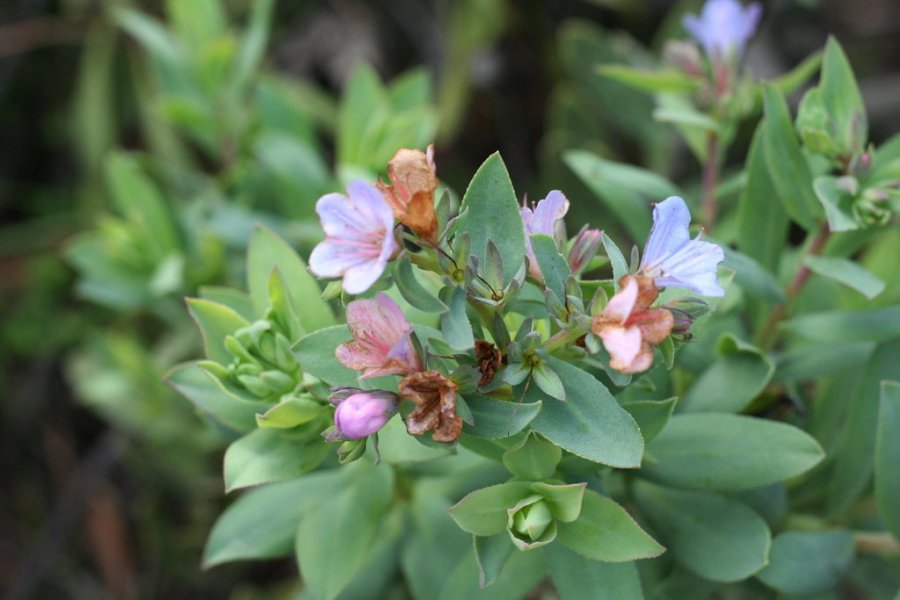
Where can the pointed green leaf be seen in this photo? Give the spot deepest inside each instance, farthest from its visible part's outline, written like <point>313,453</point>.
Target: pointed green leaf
<point>846,272</point>
<point>491,554</point>
<point>413,291</point>
<point>210,397</point>
<point>650,415</point>
<point>455,325</point>
<point>606,532</point>
<point>216,321</point>
<point>807,562</point>
<point>590,423</point>
<point>533,459</point>
<point>496,419</point>
<point>315,353</point>
<point>554,268</point>
<point>483,512</point>
<point>268,456</point>
<point>887,456</point>
<point>490,212</point>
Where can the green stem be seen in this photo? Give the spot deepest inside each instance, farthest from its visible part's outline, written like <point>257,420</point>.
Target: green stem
<point>710,178</point>
<point>561,338</point>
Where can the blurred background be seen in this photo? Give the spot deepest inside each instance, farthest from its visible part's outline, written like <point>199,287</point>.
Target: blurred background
<point>140,141</point>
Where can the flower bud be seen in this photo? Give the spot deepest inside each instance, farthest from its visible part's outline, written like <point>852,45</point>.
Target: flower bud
<point>583,250</point>
<point>685,311</point>
<point>532,521</point>
<point>361,413</point>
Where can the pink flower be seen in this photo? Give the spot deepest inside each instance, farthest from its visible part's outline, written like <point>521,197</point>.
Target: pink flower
<point>546,218</point>
<point>629,328</point>
<point>359,238</point>
<point>381,344</point>
<point>360,413</point>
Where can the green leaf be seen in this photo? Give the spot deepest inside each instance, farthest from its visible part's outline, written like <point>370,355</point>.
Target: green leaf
<point>711,451</point>
<point>838,204</point>
<point>290,413</point>
<point>490,211</point>
<point>668,80</point>
<point>215,321</point>
<point>752,276</point>
<point>578,578</point>
<point>650,415</point>
<point>624,189</point>
<point>800,74</point>
<point>606,532</point>
<point>396,446</point>
<point>268,456</point>
<point>548,382</point>
<point>315,353</point>
<point>616,258</point>
<point>236,300</point>
<point>887,457</point>
<point>875,324</point>
<point>807,562</point>
<point>267,251</point>
<point>361,116</point>
<point>811,361</point>
<point>262,523</point>
<point>762,220</point>
<point>210,397</point>
<point>590,423</point>
<point>715,537</point>
<point>491,554</point>
<point>521,574</point>
<point>140,202</point>
<point>563,500</point>
<point>533,459</point>
<point>738,374</point>
<point>847,272</point>
<point>252,46</point>
<point>495,419</point>
<point>686,117</point>
<point>413,291</point>
<point>787,166</point>
<point>455,326</point>
<point>483,512</point>
<point>554,266</point>
<point>335,541</point>
<point>840,94</point>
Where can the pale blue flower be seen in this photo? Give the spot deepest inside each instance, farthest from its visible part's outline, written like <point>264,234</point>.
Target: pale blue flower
<point>546,217</point>
<point>673,259</point>
<point>724,27</point>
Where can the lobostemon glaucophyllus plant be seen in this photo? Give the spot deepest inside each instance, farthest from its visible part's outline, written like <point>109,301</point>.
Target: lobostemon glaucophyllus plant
<point>481,384</point>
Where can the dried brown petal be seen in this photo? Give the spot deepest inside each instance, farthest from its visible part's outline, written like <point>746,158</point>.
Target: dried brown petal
<point>489,357</point>
<point>435,398</point>
<point>411,191</point>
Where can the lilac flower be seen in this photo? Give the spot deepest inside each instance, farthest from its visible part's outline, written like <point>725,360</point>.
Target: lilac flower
<point>724,26</point>
<point>359,238</point>
<point>546,218</point>
<point>381,339</point>
<point>360,413</point>
<point>672,259</point>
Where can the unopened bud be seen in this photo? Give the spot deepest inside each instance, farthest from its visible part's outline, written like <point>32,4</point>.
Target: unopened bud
<point>361,413</point>
<point>584,249</point>
<point>532,521</point>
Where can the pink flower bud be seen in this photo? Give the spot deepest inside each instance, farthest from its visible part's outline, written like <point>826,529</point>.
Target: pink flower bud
<point>361,413</point>
<point>583,250</point>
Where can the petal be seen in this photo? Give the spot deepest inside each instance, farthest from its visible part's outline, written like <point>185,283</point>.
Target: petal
<point>331,258</point>
<point>340,218</point>
<point>671,218</point>
<point>622,343</point>
<point>370,203</point>
<point>358,356</point>
<point>620,306</point>
<point>359,278</point>
<point>693,267</point>
<point>548,212</point>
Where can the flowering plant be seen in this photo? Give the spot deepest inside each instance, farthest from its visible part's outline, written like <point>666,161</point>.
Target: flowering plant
<point>454,397</point>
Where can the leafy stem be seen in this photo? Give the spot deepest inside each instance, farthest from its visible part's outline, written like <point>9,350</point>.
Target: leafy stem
<point>710,177</point>
<point>767,334</point>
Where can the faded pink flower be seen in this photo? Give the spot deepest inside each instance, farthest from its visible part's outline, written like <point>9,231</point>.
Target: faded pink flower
<point>360,413</point>
<point>629,328</point>
<point>584,248</point>
<point>545,217</point>
<point>381,344</point>
<point>359,239</point>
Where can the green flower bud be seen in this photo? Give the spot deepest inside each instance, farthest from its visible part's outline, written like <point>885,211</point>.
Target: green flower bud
<point>255,386</point>
<point>237,349</point>
<point>531,523</point>
<point>278,382</point>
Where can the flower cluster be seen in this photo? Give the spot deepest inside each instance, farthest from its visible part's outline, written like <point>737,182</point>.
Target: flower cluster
<point>362,237</point>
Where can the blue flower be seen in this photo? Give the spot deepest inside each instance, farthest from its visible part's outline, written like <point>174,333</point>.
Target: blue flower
<point>673,259</point>
<point>724,26</point>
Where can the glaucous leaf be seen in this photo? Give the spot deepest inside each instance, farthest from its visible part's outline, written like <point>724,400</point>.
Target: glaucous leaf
<point>715,537</point>
<point>807,562</point>
<point>604,531</point>
<point>483,512</point>
<point>534,459</point>
<point>712,451</point>
<point>491,554</point>
<point>887,457</point>
<point>554,266</point>
<point>576,577</point>
<point>650,415</point>
<point>269,456</point>
<point>315,353</point>
<point>590,423</point>
<point>215,321</point>
<point>210,397</point>
<point>846,272</point>
<point>495,419</point>
<point>490,211</point>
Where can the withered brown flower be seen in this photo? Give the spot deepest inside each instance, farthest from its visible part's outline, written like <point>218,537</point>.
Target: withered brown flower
<point>435,398</point>
<point>488,356</point>
<point>413,178</point>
